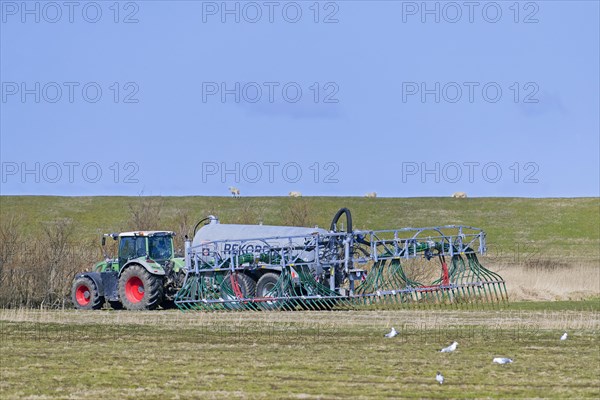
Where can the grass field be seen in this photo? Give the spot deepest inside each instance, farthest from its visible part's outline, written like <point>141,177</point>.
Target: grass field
<point>169,354</point>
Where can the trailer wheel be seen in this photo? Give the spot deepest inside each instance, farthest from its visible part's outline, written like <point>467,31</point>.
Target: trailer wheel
<point>246,284</point>
<point>267,287</point>
<point>139,289</point>
<point>85,294</point>
<point>246,287</point>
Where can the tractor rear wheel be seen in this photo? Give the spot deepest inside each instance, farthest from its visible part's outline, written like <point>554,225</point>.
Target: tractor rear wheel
<point>139,289</point>
<point>85,294</point>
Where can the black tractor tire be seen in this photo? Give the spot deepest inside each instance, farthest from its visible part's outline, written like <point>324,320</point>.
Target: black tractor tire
<point>85,294</point>
<point>139,289</point>
<point>267,287</point>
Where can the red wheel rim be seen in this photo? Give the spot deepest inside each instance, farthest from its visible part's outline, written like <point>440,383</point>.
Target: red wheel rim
<point>134,289</point>
<point>83,295</point>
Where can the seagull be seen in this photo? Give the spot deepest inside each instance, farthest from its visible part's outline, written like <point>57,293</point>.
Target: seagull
<point>502,360</point>
<point>391,334</point>
<point>450,348</point>
<point>564,336</point>
<point>439,377</point>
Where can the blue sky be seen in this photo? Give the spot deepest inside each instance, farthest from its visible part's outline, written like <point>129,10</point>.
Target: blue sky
<point>329,98</point>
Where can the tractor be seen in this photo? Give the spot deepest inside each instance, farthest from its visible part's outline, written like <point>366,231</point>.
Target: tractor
<point>145,274</point>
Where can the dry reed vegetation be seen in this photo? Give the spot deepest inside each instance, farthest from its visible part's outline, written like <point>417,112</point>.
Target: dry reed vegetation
<point>571,282</point>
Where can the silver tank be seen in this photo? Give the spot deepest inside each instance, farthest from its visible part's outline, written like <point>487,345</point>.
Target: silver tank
<point>241,239</point>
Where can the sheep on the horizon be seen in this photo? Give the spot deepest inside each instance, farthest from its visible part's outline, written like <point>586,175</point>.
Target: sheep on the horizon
<point>371,194</point>
<point>459,195</point>
<point>295,194</point>
<point>235,192</point>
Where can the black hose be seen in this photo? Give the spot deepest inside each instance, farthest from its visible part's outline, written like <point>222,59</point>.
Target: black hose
<point>359,238</point>
<point>337,217</point>
<point>198,224</point>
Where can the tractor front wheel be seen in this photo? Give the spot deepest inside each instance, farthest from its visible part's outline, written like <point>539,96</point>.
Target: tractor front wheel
<point>139,289</point>
<point>85,294</point>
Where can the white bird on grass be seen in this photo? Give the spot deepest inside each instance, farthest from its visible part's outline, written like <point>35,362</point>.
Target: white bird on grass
<point>391,334</point>
<point>450,348</point>
<point>502,360</point>
<point>564,336</point>
<point>439,377</point>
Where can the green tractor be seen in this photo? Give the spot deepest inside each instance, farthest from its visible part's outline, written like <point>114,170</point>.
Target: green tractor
<point>145,275</point>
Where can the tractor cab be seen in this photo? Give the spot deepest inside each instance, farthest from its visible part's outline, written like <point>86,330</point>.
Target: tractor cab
<point>155,247</point>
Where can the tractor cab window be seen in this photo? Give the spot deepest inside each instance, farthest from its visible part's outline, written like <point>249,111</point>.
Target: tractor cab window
<point>160,247</point>
<point>131,247</point>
